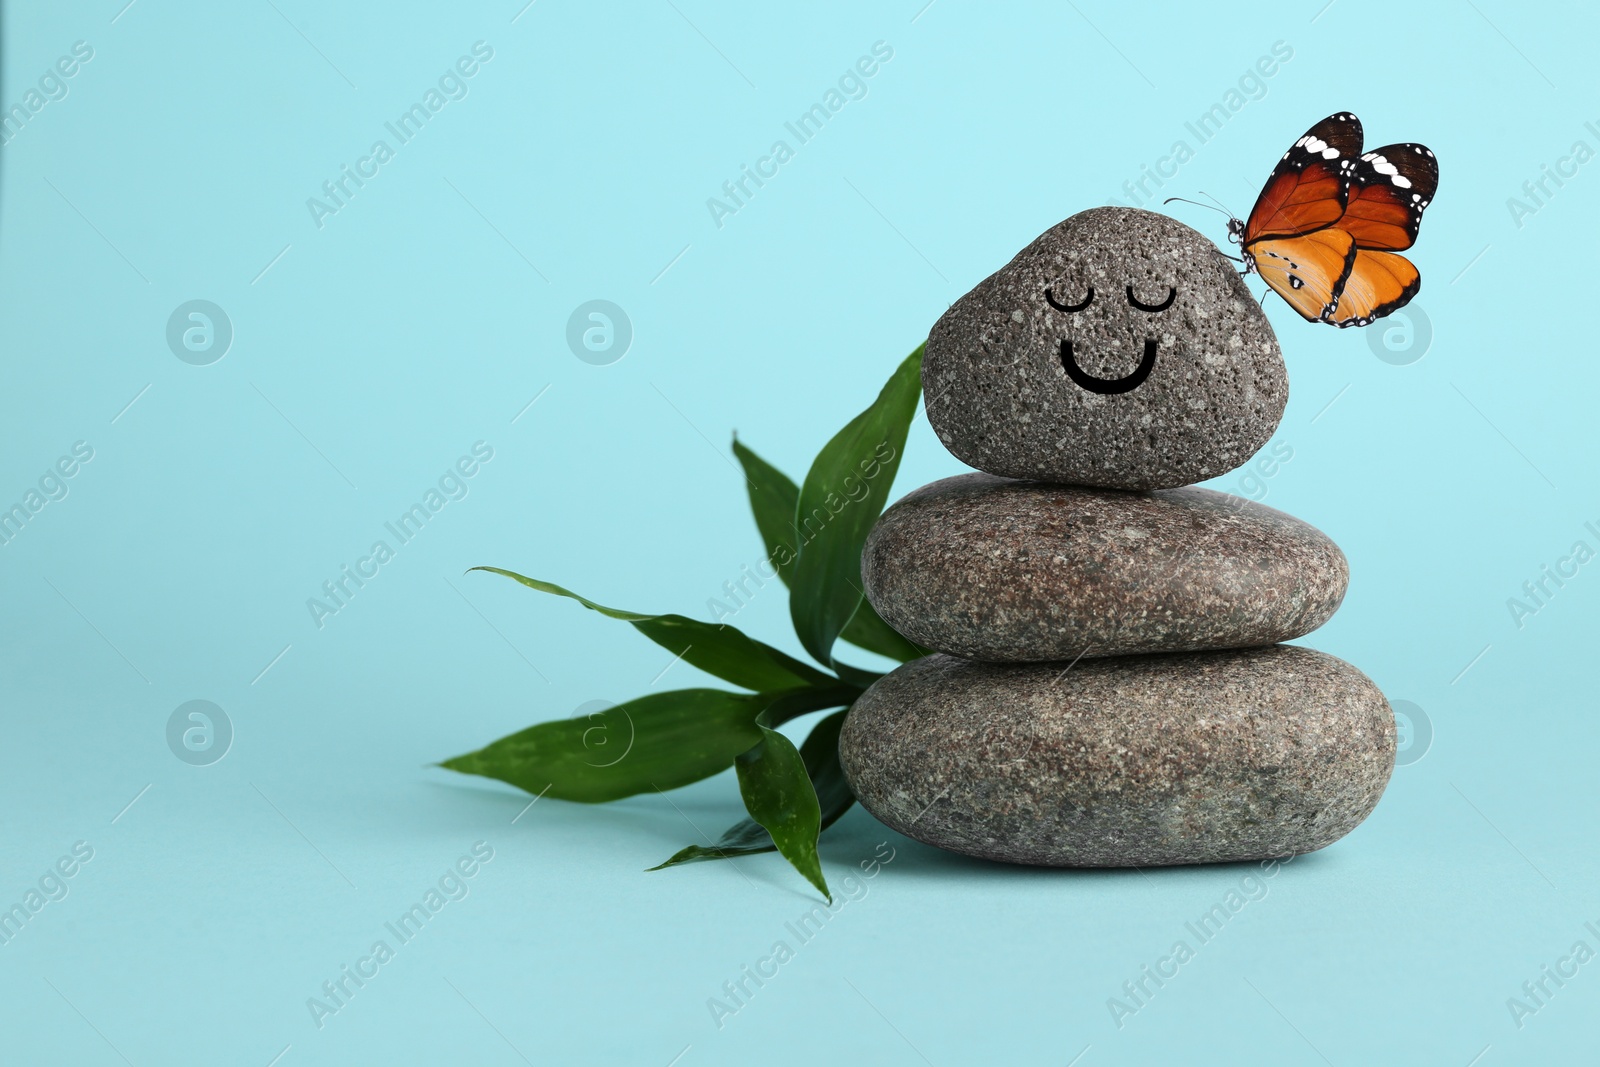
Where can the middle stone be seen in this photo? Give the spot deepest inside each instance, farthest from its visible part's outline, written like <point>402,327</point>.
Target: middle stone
<point>992,569</point>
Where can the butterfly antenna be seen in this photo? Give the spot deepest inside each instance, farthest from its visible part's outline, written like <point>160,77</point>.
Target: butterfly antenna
<point>1197,203</point>
<point>1219,204</point>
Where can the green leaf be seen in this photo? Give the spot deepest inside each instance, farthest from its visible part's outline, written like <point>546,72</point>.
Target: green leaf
<point>866,629</point>
<point>778,795</point>
<point>774,500</point>
<point>748,837</point>
<point>715,648</point>
<point>842,496</point>
<point>655,742</point>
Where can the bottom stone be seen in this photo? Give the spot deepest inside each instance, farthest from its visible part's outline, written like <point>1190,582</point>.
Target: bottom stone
<point>1201,757</point>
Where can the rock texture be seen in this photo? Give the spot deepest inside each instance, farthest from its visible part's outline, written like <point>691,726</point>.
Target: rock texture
<point>1134,761</point>
<point>1020,388</point>
<point>1009,571</point>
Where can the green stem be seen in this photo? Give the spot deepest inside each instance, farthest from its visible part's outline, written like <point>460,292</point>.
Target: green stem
<point>798,702</point>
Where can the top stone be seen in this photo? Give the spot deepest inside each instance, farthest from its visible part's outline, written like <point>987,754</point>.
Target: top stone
<point>1120,349</point>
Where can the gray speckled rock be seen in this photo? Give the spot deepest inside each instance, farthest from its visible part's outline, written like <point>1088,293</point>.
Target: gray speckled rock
<point>996,371</point>
<point>1008,571</point>
<point>1134,761</point>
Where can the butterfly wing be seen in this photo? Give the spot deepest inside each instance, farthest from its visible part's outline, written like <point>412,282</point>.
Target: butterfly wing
<point>1390,187</point>
<point>1310,186</point>
<point>1309,272</point>
<point>1378,283</point>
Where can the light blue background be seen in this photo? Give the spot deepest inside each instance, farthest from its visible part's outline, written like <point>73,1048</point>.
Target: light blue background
<point>428,312</point>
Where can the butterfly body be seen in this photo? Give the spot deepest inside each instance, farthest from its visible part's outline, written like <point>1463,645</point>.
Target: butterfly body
<point>1326,232</point>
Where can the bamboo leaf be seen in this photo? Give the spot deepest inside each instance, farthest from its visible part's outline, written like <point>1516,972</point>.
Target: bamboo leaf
<point>778,795</point>
<point>842,496</point>
<point>774,500</point>
<point>654,742</point>
<point>866,629</point>
<point>748,837</point>
<point>715,648</point>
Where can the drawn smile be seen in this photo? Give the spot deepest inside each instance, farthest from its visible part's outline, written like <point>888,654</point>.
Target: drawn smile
<point>1109,386</point>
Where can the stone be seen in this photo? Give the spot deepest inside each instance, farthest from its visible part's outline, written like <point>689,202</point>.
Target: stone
<point>1021,381</point>
<point>1196,757</point>
<point>994,569</point>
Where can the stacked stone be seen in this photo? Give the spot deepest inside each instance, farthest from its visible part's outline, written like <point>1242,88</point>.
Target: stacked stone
<point>1107,687</point>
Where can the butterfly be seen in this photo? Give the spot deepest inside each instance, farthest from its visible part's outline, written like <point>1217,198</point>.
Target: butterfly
<point>1328,227</point>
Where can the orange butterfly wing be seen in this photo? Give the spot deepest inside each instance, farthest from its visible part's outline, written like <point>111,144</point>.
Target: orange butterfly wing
<point>1309,272</point>
<point>1290,237</point>
<point>1377,284</point>
<point>1391,187</point>
<point>1310,187</point>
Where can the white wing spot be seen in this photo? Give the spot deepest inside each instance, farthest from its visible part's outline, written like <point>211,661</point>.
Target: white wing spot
<point>1330,153</point>
<point>1402,181</point>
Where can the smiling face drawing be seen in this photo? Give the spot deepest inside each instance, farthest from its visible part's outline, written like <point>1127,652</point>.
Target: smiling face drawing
<point>1110,386</point>
<point>1118,349</point>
